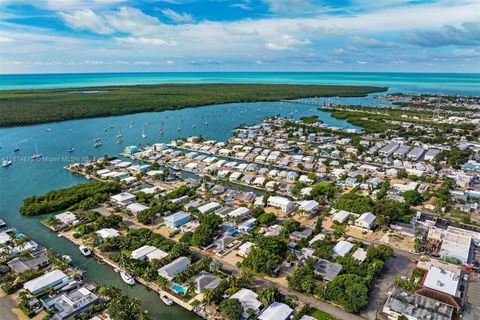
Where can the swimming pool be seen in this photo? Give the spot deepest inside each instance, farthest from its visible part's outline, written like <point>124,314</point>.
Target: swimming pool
<point>178,288</point>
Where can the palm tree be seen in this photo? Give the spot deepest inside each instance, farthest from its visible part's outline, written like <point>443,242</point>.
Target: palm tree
<point>269,295</point>
<point>208,295</point>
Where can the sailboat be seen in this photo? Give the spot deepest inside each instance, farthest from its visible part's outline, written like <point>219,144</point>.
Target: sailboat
<point>16,148</point>
<point>126,277</point>
<point>143,134</point>
<point>97,144</point>
<point>37,155</point>
<point>119,134</point>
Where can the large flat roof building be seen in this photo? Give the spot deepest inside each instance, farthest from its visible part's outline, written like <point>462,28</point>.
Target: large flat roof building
<point>415,307</point>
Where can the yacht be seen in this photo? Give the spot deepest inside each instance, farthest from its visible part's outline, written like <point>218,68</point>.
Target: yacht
<point>85,251</point>
<point>37,155</point>
<point>6,163</point>
<point>127,278</point>
<point>166,299</point>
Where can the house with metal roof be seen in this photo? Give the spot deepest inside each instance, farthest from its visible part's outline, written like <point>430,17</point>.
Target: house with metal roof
<point>276,311</point>
<point>55,279</point>
<point>327,269</point>
<point>248,300</point>
<point>366,221</point>
<point>177,219</point>
<point>170,270</point>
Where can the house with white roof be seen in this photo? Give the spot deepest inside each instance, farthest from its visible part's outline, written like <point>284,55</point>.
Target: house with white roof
<point>209,207</point>
<point>276,311</point>
<point>366,221</point>
<point>135,208</point>
<point>281,203</point>
<point>342,248</point>
<point>67,218</point>
<point>53,279</point>
<point>123,198</point>
<point>148,252</point>
<point>106,233</point>
<point>308,207</point>
<point>248,300</point>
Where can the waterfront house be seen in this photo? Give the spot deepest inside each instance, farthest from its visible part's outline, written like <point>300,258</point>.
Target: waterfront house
<point>107,233</point>
<point>276,311</point>
<point>67,218</point>
<point>148,252</point>
<point>36,260</point>
<point>205,280</point>
<point>248,300</point>
<point>55,279</point>
<point>170,270</point>
<point>67,305</point>
<point>177,219</point>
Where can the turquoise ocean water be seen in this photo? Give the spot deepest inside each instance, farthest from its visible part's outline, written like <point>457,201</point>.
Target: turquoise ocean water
<point>451,83</point>
<point>26,177</point>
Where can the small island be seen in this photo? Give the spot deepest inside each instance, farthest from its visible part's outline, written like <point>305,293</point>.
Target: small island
<point>26,107</point>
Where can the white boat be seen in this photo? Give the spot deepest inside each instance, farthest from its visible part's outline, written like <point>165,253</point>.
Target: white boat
<point>97,139</point>
<point>6,163</point>
<point>127,278</point>
<point>166,299</point>
<point>71,149</point>
<point>97,144</point>
<point>119,135</point>
<point>37,155</point>
<point>48,129</point>
<point>143,134</point>
<point>67,259</point>
<point>85,251</point>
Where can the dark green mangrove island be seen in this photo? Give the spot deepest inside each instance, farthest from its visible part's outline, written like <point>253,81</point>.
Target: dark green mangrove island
<point>25,107</point>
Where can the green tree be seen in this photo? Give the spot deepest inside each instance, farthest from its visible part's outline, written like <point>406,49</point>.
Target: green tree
<point>232,309</point>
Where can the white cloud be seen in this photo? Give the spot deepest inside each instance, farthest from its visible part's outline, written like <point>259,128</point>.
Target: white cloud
<point>286,42</point>
<point>146,41</point>
<point>86,19</point>
<point>291,6</point>
<point>177,17</point>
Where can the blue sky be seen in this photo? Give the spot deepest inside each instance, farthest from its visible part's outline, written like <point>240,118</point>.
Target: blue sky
<point>51,36</point>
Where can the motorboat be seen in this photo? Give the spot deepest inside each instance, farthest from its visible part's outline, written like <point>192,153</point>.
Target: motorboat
<point>6,163</point>
<point>67,259</point>
<point>166,299</point>
<point>71,149</point>
<point>127,278</point>
<point>48,129</point>
<point>85,251</point>
<point>37,155</point>
<point>97,144</point>
<point>143,134</point>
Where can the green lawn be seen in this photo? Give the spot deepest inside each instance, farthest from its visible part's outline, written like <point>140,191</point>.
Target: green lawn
<point>320,315</point>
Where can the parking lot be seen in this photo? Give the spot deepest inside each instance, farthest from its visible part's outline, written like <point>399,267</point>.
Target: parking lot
<point>472,306</point>
<point>396,267</point>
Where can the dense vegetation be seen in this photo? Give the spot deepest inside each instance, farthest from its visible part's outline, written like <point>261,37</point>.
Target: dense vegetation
<point>267,254</point>
<point>22,107</point>
<point>350,288</point>
<point>84,196</point>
